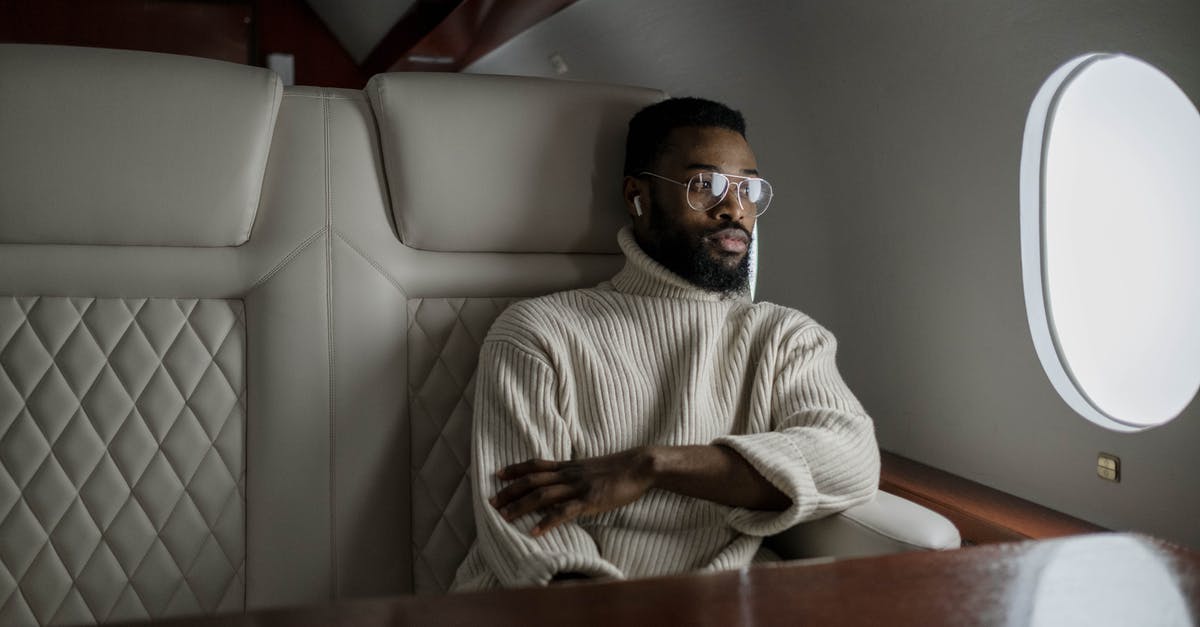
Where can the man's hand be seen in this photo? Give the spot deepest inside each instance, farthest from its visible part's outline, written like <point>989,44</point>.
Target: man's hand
<point>564,491</point>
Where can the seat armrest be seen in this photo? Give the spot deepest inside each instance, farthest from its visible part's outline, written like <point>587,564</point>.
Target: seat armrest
<point>885,524</point>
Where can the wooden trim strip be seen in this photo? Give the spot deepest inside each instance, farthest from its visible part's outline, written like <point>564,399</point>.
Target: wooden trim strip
<point>470,30</point>
<point>983,515</point>
<point>417,23</point>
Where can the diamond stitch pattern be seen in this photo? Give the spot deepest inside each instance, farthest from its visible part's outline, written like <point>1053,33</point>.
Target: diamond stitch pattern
<point>122,491</point>
<point>444,338</point>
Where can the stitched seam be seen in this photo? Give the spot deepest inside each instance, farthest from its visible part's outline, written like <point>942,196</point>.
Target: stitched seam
<point>333,579</point>
<point>407,481</point>
<point>324,96</point>
<point>374,264</point>
<point>212,535</point>
<point>288,258</point>
<point>242,484</point>
<point>162,244</point>
<point>241,394</point>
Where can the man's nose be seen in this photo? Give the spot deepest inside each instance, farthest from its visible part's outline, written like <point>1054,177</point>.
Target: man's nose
<point>730,208</point>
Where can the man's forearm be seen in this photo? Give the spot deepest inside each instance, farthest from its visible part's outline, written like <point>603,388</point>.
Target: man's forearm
<point>714,473</point>
<point>562,491</point>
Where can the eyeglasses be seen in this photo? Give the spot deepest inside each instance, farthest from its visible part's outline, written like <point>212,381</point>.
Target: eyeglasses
<point>706,190</point>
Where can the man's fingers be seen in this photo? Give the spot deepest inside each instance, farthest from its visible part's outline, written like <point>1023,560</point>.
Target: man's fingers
<point>538,499</point>
<point>526,467</point>
<point>557,515</point>
<point>520,487</point>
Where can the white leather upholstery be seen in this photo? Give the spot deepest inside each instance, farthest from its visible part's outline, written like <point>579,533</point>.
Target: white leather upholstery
<point>529,165</point>
<point>273,290</point>
<point>444,336</point>
<point>453,297</point>
<point>887,524</point>
<point>165,150</point>
<point>124,423</point>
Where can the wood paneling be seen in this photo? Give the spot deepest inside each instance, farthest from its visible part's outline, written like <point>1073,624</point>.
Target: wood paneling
<point>471,30</point>
<point>423,18</point>
<point>434,35</point>
<point>982,514</point>
<point>292,27</point>
<point>217,30</point>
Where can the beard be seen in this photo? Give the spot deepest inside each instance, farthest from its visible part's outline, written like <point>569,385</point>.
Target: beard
<point>685,254</point>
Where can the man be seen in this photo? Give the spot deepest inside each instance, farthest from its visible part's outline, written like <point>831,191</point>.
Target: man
<point>660,422</point>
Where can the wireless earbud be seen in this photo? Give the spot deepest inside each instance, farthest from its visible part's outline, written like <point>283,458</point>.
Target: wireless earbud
<point>637,204</point>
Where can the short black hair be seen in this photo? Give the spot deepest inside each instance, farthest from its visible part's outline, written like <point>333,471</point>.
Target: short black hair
<point>649,128</point>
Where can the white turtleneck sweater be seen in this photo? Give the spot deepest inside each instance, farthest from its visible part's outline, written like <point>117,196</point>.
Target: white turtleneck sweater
<point>647,358</point>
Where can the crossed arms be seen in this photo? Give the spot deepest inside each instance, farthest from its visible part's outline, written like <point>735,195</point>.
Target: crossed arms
<point>529,493</point>
<point>563,491</point>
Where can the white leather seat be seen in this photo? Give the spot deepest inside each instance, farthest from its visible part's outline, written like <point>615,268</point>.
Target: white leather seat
<point>165,380</point>
<point>501,189</point>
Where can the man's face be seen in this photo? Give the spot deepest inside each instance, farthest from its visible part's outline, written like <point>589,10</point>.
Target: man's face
<point>711,248</point>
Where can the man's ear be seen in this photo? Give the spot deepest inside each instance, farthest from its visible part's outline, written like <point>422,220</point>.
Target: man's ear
<point>635,197</point>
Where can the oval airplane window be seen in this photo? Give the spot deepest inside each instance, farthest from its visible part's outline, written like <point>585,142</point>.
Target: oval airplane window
<point>1110,239</point>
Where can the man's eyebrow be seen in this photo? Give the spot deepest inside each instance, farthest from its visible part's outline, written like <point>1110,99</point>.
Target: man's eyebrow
<point>713,168</point>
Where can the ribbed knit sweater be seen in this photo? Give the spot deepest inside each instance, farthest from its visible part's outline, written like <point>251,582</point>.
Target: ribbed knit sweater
<point>647,358</point>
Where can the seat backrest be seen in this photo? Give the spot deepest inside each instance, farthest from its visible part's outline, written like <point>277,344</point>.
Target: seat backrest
<point>501,188</point>
<point>239,323</point>
<point>165,395</point>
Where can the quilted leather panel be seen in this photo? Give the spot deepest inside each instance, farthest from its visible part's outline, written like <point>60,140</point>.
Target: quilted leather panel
<point>122,458</point>
<point>444,337</point>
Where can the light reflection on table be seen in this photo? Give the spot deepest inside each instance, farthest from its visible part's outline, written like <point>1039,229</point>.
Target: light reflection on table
<point>1098,581</point>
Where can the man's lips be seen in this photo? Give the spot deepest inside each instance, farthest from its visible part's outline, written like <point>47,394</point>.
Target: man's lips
<point>731,240</point>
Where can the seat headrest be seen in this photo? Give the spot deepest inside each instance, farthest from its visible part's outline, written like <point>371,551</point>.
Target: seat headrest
<point>119,147</point>
<point>505,164</point>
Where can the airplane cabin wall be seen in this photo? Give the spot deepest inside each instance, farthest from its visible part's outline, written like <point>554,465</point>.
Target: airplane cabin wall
<point>892,132</point>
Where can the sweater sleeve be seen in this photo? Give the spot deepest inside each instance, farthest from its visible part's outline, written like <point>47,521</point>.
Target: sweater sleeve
<point>821,450</point>
<point>516,418</point>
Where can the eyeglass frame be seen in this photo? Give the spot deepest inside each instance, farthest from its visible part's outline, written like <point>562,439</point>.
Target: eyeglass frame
<point>737,184</point>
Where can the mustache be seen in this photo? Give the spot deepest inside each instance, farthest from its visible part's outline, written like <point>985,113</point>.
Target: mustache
<point>727,226</point>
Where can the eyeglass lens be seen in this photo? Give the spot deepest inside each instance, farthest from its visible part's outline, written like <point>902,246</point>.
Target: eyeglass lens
<point>706,189</point>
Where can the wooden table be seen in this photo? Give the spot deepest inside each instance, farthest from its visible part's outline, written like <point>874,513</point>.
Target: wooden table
<point>1094,580</point>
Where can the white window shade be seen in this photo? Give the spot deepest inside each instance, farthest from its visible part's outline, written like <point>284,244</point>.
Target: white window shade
<point>1110,236</point>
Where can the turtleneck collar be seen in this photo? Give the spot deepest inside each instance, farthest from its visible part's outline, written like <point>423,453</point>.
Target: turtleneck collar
<point>643,276</point>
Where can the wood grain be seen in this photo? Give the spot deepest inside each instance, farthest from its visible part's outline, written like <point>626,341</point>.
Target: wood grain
<point>983,515</point>
<point>471,30</point>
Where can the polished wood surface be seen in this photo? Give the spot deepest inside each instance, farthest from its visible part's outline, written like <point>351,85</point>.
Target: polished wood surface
<point>422,18</point>
<point>982,514</point>
<point>472,29</point>
<point>1099,579</point>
